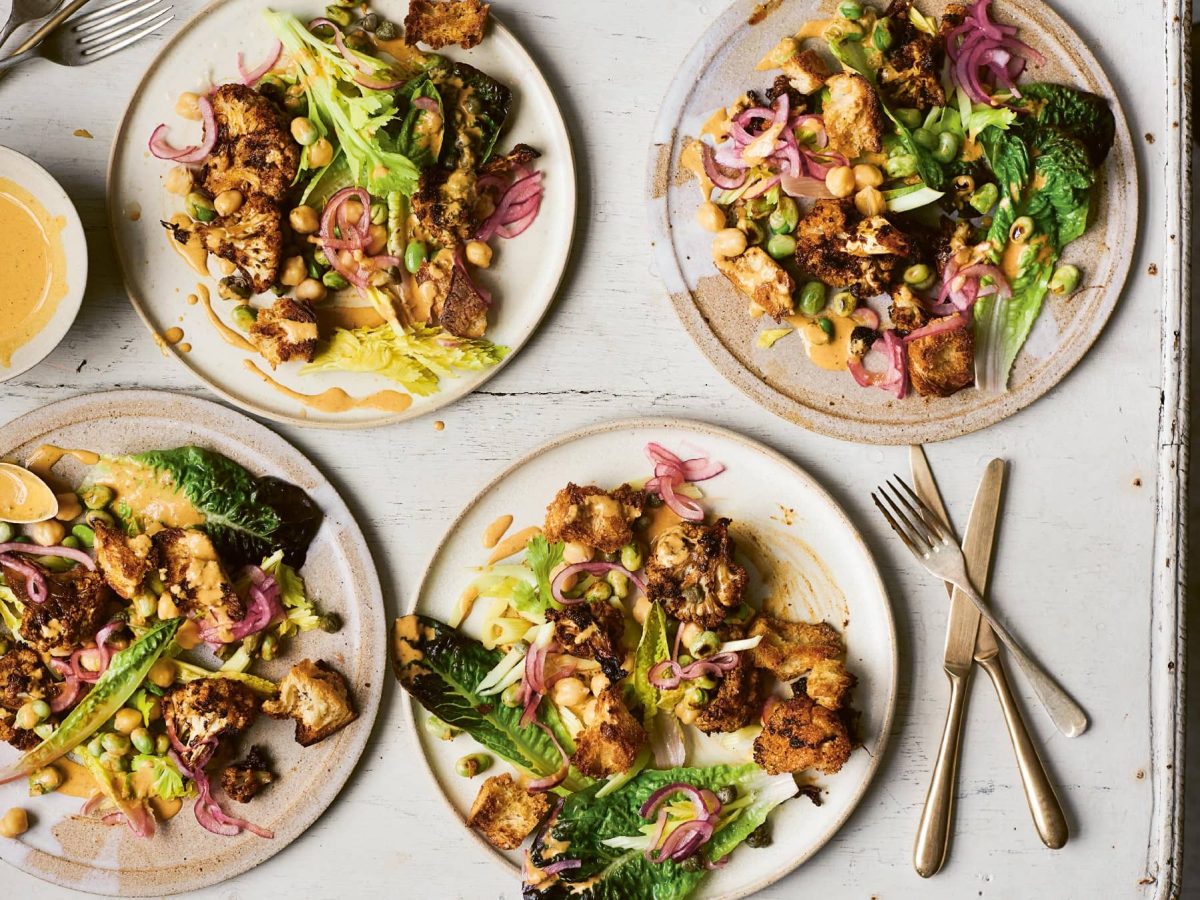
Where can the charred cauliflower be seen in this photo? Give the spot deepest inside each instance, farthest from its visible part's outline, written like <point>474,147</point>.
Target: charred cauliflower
<point>791,649</point>
<point>23,678</point>
<point>193,576</point>
<point>254,153</point>
<point>315,695</point>
<point>593,516</point>
<point>251,238</point>
<point>736,702</point>
<point>691,571</point>
<point>612,742</point>
<point>799,734</point>
<point>207,710</point>
<point>284,331</point>
<point>76,608</point>
<point>842,248</point>
<point>591,631</point>
<point>442,22</point>
<point>761,279</point>
<point>124,561</point>
<point>243,780</point>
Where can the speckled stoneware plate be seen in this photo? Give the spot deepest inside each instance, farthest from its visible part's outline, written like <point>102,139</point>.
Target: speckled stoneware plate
<point>86,855</point>
<point>782,378</point>
<point>788,525</point>
<point>523,278</point>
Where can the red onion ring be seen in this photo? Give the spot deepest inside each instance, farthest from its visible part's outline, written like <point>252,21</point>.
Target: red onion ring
<point>252,77</point>
<point>867,317</point>
<point>517,208</point>
<point>977,45</point>
<point>264,609</point>
<point>592,568</point>
<point>655,800</point>
<point>660,825</point>
<point>188,155</point>
<point>541,785</point>
<point>955,322</point>
<point>36,588</point>
<point>68,694</point>
<point>66,552</point>
<point>426,103</point>
<point>562,865</point>
<point>714,173</point>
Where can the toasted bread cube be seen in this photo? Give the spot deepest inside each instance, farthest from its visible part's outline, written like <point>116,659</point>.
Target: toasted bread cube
<point>799,734</point>
<point>464,311</point>
<point>736,702</point>
<point>505,813</point>
<point>284,331</point>
<point>830,683</point>
<point>438,23</point>
<point>943,363</point>
<point>853,119</point>
<point>123,561</point>
<point>316,696</point>
<point>761,279</point>
<point>791,649</point>
<point>611,744</point>
<point>806,71</point>
<point>593,516</point>
<point>193,575</point>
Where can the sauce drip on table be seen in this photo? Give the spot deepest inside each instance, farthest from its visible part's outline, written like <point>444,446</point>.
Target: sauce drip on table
<point>335,400</point>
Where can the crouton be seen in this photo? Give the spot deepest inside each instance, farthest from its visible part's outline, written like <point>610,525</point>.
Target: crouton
<point>192,573</point>
<point>463,311</point>
<point>592,631</point>
<point>251,238</point>
<point>254,153</point>
<point>317,697</point>
<point>519,156</point>
<point>76,608</point>
<point>761,279</point>
<point>243,780</point>
<point>830,683</point>
<point>691,571</point>
<point>843,249</point>
<point>207,710</point>
<point>124,561</point>
<point>444,205</point>
<point>284,331</point>
<point>505,813</point>
<point>853,119</point>
<point>612,742</point>
<point>438,23</point>
<point>23,678</point>
<point>736,702</point>
<point>943,363</point>
<point>799,734</point>
<point>791,649</point>
<point>593,516</point>
<point>806,71</point>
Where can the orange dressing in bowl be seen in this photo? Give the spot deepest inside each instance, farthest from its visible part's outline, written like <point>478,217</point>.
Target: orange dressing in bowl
<point>33,267</point>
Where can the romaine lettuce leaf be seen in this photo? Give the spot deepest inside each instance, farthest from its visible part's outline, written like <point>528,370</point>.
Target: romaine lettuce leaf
<point>1002,326</point>
<point>477,108</point>
<point>1082,115</point>
<point>420,139</point>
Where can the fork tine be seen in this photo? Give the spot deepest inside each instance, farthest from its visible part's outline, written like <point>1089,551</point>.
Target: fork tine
<point>96,53</point>
<point>105,23</point>
<point>100,13</point>
<point>919,531</point>
<point>932,519</point>
<point>903,535</point>
<point>103,38</point>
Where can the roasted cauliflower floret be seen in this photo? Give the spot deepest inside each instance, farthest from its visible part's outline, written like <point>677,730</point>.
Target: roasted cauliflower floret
<point>463,310</point>
<point>909,76</point>
<point>76,608</point>
<point>799,734</point>
<point>830,683</point>
<point>736,702</point>
<point>439,23</point>
<point>612,742</point>
<point>444,205</point>
<point>284,331</point>
<point>592,631</point>
<point>124,561</point>
<point>505,813</point>
<point>243,780</point>
<point>691,571</point>
<point>791,649</point>
<point>251,238</point>
<point>853,119</point>
<point>207,710</point>
<point>593,516</point>
<point>840,247</point>
<point>192,574</point>
<point>806,71</point>
<point>943,363</point>
<point>906,312</point>
<point>876,236</point>
<point>316,696</point>
<point>520,155</point>
<point>761,279</point>
<point>255,153</point>
<point>23,678</point>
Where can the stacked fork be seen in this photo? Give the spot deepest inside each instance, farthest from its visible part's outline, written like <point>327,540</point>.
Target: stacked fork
<point>93,35</point>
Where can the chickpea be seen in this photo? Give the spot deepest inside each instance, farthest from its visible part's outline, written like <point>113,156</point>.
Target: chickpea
<point>589,711</point>
<point>840,181</point>
<point>354,209</point>
<point>377,240</point>
<point>228,202</point>
<point>479,254</point>
<point>69,507</point>
<point>310,289</point>
<point>188,106</point>
<point>304,131</point>
<point>867,175</point>
<point>162,673</point>
<point>568,692</point>
<point>574,552</point>
<point>167,609</point>
<point>127,720</point>
<point>179,181</point>
<point>304,220</point>
<point>641,608</point>
<point>686,713</point>
<point>869,201</point>
<point>710,216</point>
<point>599,683</point>
<point>729,242</point>
<point>14,823</point>
<point>48,533</point>
<point>320,153</point>
<point>428,292</point>
<point>293,272</point>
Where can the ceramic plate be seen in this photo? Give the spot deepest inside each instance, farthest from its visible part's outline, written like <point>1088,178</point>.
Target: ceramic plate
<point>525,275</point>
<point>781,378</point>
<point>25,173</point>
<point>89,856</point>
<point>827,574</point>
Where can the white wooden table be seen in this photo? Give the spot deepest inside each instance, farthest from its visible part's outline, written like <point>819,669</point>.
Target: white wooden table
<point>1076,554</point>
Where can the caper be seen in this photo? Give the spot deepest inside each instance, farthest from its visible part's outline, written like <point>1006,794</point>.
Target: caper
<point>96,496</point>
<point>338,15</point>
<point>1064,280</point>
<point>369,22</point>
<point>1020,230</point>
<point>946,150</point>
<point>44,781</point>
<point>631,556</point>
<point>330,622</point>
<point>234,288</point>
<point>784,217</point>
<point>414,255</point>
<point>511,696</point>
<point>387,31</point>
<point>826,326</point>
<point>902,165</point>
<point>359,40</point>
<point>850,9</point>
<point>727,794</point>
<point>272,86</point>
<point>843,303</point>
<point>881,37</point>
<point>92,516</point>
<point>599,590</point>
<point>812,298</point>
<point>909,117</point>
<point>334,281</point>
<point>760,836</point>
<point>983,198</point>
<point>704,644</point>
<point>472,764</point>
<point>244,316</point>
<point>199,207</point>
<point>84,535</point>
<point>781,246</point>
<point>963,184</point>
<point>917,275</point>
<point>925,138</point>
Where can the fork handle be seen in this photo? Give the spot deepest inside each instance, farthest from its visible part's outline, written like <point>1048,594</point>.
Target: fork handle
<point>1067,715</point>
<point>10,61</point>
<point>933,831</point>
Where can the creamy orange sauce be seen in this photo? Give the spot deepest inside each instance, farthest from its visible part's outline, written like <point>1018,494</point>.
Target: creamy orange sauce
<point>661,518</point>
<point>133,211</point>
<point>193,252</point>
<point>495,531</point>
<point>173,335</point>
<point>185,347</point>
<point>717,125</point>
<point>513,543</point>
<point>82,133</point>
<point>24,497</point>
<point>692,160</point>
<point>813,29</point>
<point>76,780</point>
<point>45,457</point>
<point>466,602</point>
<point>335,400</point>
<point>831,353</point>
<point>348,317</point>
<point>33,267</point>
<point>152,495</point>
<point>439,425</point>
<point>228,335</point>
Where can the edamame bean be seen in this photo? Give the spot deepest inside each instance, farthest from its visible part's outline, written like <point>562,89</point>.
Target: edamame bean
<point>115,743</point>
<point>472,764</point>
<point>619,583</point>
<point>850,9</point>
<point>72,542</point>
<point>812,298</point>
<point>842,303</point>
<point>511,697</point>
<point>704,644</point>
<point>200,207</point>
<point>1064,280</point>
<point>84,535</point>
<point>631,557</point>
<point>781,246</point>
<point>334,281</point>
<point>600,590</point>
<point>917,274</point>
<point>26,719</point>
<point>142,740</point>
<point>925,138</point>
<point>784,217</point>
<point>881,37</point>
<point>44,781</point>
<point>95,746</point>
<point>1020,230</point>
<point>947,147</point>
<point>909,117</point>
<point>984,197</point>
<point>440,729</point>
<point>414,255</point>
<point>696,697</point>
<point>902,165</point>
<point>244,316</point>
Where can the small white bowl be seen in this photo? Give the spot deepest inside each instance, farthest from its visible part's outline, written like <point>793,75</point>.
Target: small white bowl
<point>25,172</point>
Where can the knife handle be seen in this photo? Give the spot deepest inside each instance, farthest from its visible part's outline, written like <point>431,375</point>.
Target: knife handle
<point>933,831</point>
<point>1043,802</point>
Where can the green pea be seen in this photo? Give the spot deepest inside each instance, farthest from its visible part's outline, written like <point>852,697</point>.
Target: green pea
<point>947,148</point>
<point>784,217</point>
<point>387,31</point>
<point>901,165</point>
<point>850,9</point>
<point>71,541</point>
<point>337,14</point>
<point>917,275</point>
<point>414,255</point>
<point>95,746</point>
<point>1020,230</point>
<point>925,138</point>
<point>334,281</point>
<point>200,207</point>
<point>7,532</point>
<point>631,556</point>
<point>244,316</point>
<point>472,764</point>
<point>600,590</point>
<point>115,743</point>
<point>704,644</point>
<point>881,37</point>
<point>909,117</point>
<point>983,198</point>
<point>619,583</point>
<point>781,246</point>
<point>812,298</point>
<point>84,535</point>
<point>440,729</point>
<point>843,303</point>
<point>92,516</point>
<point>142,740</point>
<point>511,696</point>
<point>826,326</point>
<point>330,623</point>
<point>1064,280</point>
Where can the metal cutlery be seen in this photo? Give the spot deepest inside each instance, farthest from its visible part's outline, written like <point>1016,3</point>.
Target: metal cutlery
<point>24,11</point>
<point>93,35</point>
<point>930,542</point>
<point>966,638</point>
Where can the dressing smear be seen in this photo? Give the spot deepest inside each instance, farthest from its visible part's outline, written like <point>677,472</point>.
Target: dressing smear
<point>33,268</point>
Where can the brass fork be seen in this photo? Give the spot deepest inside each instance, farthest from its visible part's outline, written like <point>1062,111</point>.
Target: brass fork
<point>931,543</point>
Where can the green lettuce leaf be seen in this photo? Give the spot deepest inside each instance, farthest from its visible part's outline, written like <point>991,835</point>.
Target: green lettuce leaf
<point>11,609</point>
<point>652,648</point>
<point>1008,158</point>
<point>541,557</point>
<point>1002,326</point>
<point>1061,194</point>
<point>477,107</point>
<point>1082,115</point>
<point>419,139</point>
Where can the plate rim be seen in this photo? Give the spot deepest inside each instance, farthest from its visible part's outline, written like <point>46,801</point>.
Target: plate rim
<point>856,430</point>
<point>62,320</point>
<point>81,408</point>
<point>701,427</point>
<point>119,146</point>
